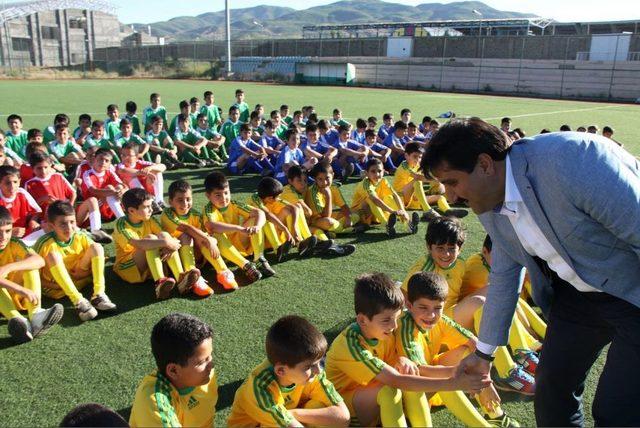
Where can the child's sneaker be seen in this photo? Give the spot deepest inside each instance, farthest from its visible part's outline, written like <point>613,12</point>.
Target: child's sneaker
<point>391,225</point>
<point>187,280</point>
<point>459,213</point>
<point>201,289</point>
<point>86,312</point>
<point>414,222</point>
<point>43,320</point>
<point>227,279</point>
<point>518,381</point>
<point>20,330</point>
<point>282,251</point>
<point>430,215</point>
<point>102,303</point>
<point>502,421</point>
<point>360,228</point>
<point>164,287</point>
<point>341,250</point>
<point>265,268</point>
<point>306,246</point>
<point>527,359</point>
<point>251,272</point>
<point>101,237</point>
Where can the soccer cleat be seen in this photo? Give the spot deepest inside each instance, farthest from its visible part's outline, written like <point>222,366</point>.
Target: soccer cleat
<point>282,251</point>
<point>360,228</point>
<point>322,246</point>
<point>518,381</point>
<point>341,250</point>
<point>201,289</point>
<point>178,165</point>
<point>430,215</point>
<point>527,359</point>
<point>502,421</point>
<point>20,330</point>
<point>306,246</point>
<point>156,208</point>
<point>187,280</point>
<point>86,312</point>
<point>101,237</point>
<point>102,303</point>
<point>201,164</point>
<point>414,222</point>
<point>164,287</point>
<point>265,268</point>
<point>251,272</point>
<point>391,225</point>
<point>459,213</point>
<point>227,279</point>
<point>43,320</point>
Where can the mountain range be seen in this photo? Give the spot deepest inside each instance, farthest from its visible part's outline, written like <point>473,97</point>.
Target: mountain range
<point>281,22</point>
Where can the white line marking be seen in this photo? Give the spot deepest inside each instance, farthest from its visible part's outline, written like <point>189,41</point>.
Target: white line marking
<point>553,112</point>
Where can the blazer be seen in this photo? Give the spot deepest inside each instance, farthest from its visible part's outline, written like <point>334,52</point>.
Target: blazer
<point>583,191</point>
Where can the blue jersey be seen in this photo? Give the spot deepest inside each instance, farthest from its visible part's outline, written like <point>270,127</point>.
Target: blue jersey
<point>288,156</point>
<point>378,148</point>
<point>384,131</point>
<point>393,141</point>
<point>235,150</point>
<point>317,147</point>
<point>272,142</point>
<point>330,139</point>
<point>349,144</point>
<point>358,136</point>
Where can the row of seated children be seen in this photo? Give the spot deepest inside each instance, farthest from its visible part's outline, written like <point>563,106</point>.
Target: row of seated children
<point>378,369</point>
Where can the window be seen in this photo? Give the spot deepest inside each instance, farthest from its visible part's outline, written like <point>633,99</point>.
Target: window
<point>50,33</point>
<point>78,22</point>
<point>20,44</point>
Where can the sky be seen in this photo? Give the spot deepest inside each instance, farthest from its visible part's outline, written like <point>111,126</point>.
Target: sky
<point>147,11</point>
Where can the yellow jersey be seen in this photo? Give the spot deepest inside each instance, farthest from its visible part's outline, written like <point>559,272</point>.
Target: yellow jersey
<point>354,361</point>
<point>15,251</point>
<point>453,274</point>
<point>170,220</point>
<point>423,346</point>
<point>403,176</point>
<point>235,213</point>
<point>366,188</point>
<point>476,275</point>
<point>159,404</point>
<point>274,207</point>
<point>261,401</point>
<point>124,232</point>
<point>71,251</point>
<point>291,195</point>
<point>316,201</point>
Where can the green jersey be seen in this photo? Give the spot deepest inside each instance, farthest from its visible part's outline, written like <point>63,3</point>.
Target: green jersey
<point>49,134</point>
<point>244,111</point>
<point>148,113</point>
<point>340,122</point>
<point>60,150</point>
<point>112,128</point>
<point>194,119</point>
<point>213,116</point>
<point>282,129</point>
<point>17,143</point>
<point>161,140</point>
<point>287,120</point>
<point>120,140</point>
<point>91,142</point>
<point>230,131</point>
<point>135,123</point>
<point>190,137</point>
<point>208,133</point>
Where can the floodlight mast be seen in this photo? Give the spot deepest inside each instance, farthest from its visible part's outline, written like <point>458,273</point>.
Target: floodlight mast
<point>228,34</point>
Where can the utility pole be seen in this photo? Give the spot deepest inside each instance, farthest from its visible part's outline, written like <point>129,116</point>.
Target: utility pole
<point>228,33</point>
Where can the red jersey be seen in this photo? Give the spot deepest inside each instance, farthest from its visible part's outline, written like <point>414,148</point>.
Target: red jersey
<point>26,173</point>
<point>82,168</point>
<point>22,208</point>
<point>98,180</point>
<point>56,186</point>
<point>127,176</point>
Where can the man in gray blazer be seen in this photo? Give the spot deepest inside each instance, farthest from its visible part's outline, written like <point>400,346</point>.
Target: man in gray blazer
<point>565,206</point>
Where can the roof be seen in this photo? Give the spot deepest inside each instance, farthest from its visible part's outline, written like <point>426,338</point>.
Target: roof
<point>9,11</point>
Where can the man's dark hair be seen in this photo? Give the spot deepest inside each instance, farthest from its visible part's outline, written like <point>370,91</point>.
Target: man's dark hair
<point>63,118</point>
<point>404,111</point>
<point>269,187</point>
<point>83,116</point>
<point>387,116</point>
<point>207,93</point>
<point>183,105</point>
<point>426,119</point>
<point>322,167</point>
<point>607,129</point>
<point>183,118</point>
<point>104,152</point>
<point>178,186</point>
<point>124,121</point>
<point>323,125</point>
<point>400,125</point>
<point>38,156</point>
<point>284,107</point>
<point>291,132</point>
<point>294,172</point>
<point>194,100</point>
<point>292,340</point>
<point>175,337</point>
<point>461,141</point>
<point>133,198</point>
<point>112,107</point>
<point>233,108</point>
<point>428,285</point>
<point>59,209</point>
<point>153,96</point>
<point>33,147</point>
<point>413,147</point>
<point>254,115</point>
<point>5,217</point>
<point>13,117</point>
<point>312,127</point>
<point>33,133</point>
<point>131,107</point>
<point>98,124</point>
<point>445,231</point>
<point>343,128</point>
<point>215,181</point>
<point>372,119</point>
<point>6,170</point>
<point>565,128</point>
<point>93,415</point>
<point>376,292</point>
<point>245,127</point>
<point>369,133</point>
<point>372,162</point>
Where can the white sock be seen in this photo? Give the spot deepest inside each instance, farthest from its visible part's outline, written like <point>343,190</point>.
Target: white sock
<point>135,184</point>
<point>115,206</point>
<point>95,221</point>
<point>31,238</point>
<point>158,188</point>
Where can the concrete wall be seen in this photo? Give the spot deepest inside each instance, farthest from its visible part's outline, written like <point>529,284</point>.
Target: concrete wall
<point>547,78</point>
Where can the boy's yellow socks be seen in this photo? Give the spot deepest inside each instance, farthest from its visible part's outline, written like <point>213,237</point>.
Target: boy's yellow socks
<point>418,193</point>
<point>31,281</point>
<point>175,264</point>
<point>229,252</point>
<point>218,264</point>
<point>417,407</point>
<point>7,307</point>
<point>154,263</point>
<point>97,271</point>
<point>391,410</point>
<point>187,257</point>
<point>61,275</point>
<point>443,204</point>
<point>460,406</point>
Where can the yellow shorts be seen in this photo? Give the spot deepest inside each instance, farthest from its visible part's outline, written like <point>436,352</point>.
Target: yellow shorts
<point>128,271</point>
<point>58,293</point>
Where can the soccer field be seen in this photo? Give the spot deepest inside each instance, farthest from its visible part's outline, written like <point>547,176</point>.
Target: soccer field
<point>103,360</point>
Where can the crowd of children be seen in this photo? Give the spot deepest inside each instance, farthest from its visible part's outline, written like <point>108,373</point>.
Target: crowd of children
<point>58,188</point>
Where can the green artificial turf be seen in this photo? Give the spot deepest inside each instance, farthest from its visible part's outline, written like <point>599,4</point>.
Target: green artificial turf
<point>103,360</point>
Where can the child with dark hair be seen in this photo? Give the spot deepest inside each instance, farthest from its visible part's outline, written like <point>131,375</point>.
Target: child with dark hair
<point>49,133</point>
<point>72,261</point>
<point>20,287</point>
<point>395,141</point>
<point>192,146</point>
<point>132,108</point>
<point>290,387</point>
<point>230,129</point>
<point>362,363</point>
<point>183,390</point>
<point>127,136</point>
<point>101,182</point>
<point>243,159</point>
<point>154,109</point>
<point>93,415</point>
<point>16,138</point>
<point>137,173</point>
<point>24,210</point>
<point>112,122</point>
<point>291,155</point>
<point>242,106</point>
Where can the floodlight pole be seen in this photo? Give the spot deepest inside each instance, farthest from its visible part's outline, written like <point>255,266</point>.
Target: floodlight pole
<point>228,34</point>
